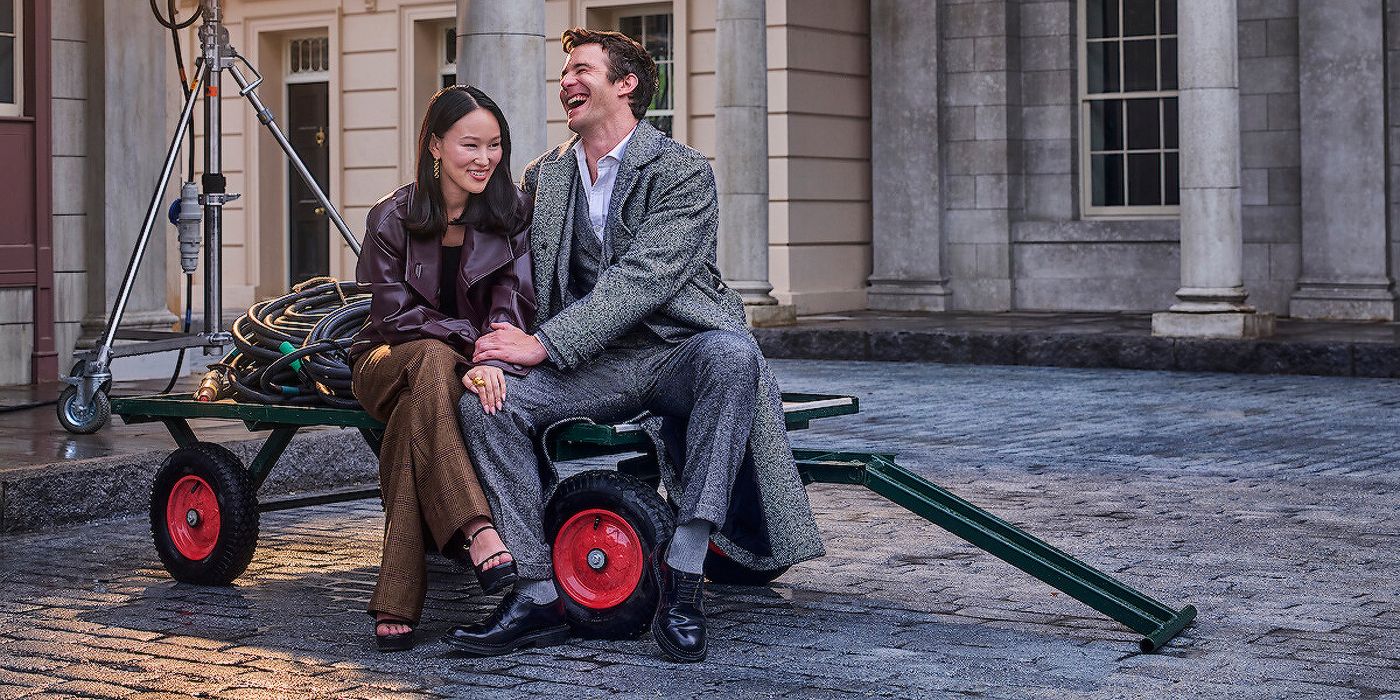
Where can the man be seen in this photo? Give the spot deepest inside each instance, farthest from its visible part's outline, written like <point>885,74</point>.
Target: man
<point>632,315</point>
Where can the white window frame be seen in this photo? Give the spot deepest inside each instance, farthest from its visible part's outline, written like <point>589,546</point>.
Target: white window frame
<point>16,108</point>
<point>307,76</point>
<point>607,13</point>
<point>649,11</point>
<point>1086,175</point>
<point>447,68</point>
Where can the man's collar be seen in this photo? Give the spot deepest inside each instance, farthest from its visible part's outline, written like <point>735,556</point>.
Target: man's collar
<point>617,153</point>
<point>642,145</point>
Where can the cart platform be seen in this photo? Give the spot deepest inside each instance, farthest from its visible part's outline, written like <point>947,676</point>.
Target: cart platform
<point>204,508</point>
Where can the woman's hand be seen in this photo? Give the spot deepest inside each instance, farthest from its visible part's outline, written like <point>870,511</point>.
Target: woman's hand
<point>489,385</point>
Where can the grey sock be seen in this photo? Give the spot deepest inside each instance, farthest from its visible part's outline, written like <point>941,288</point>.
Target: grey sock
<point>688,546</point>
<point>540,592</point>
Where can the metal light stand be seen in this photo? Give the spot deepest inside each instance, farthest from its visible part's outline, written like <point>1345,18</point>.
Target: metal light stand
<point>84,406</point>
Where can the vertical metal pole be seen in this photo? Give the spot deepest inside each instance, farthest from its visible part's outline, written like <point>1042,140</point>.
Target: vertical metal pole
<point>213,38</point>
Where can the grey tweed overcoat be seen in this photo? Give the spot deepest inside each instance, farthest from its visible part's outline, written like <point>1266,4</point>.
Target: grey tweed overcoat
<point>661,271</point>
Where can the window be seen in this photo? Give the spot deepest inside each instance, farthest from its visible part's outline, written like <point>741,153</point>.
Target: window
<point>448,68</point>
<point>1128,84</point>
<point>11,58</point>
<point>654,31</point>
<point>309,59</point>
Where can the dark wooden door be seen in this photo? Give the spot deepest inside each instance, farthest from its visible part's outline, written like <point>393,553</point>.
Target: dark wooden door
<point>18,232</point>
<point>308,245</point>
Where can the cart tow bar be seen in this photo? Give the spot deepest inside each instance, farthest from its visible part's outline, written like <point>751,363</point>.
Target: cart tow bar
<point>1157,622</point>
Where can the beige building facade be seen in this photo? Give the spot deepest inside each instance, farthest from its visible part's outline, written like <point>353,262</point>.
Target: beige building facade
<point>375,64</point>
<point>1215,161</point>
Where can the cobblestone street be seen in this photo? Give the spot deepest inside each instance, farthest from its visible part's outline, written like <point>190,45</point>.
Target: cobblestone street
<point>1271,503</point>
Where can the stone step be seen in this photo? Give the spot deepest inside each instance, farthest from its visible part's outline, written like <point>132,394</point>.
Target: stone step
<point>41,496</point>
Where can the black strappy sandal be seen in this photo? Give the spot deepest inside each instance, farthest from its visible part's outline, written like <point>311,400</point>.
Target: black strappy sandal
<point>494,579</point>
<point>402,641</point>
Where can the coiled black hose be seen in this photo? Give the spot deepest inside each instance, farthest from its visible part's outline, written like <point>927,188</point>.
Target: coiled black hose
<point>293,349</point>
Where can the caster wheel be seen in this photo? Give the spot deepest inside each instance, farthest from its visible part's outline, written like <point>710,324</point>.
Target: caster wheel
<point>719,568</point>
<point>605,526</point>
<point>204,515</point>
<point>83,420</point>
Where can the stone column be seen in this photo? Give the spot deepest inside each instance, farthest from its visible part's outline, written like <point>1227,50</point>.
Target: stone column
<point>741,119</point>
<point>500,49</point>
<point>128,73</point>
<point>906,196</point>
<point>1341,85</point>
<point>1211,301</point>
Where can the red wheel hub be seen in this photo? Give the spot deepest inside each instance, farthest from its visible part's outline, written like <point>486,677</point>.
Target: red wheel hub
<point>192,517</point>
<point>598,558</point>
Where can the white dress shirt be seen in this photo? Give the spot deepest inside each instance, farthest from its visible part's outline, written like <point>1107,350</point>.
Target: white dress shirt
<point>600,193</point>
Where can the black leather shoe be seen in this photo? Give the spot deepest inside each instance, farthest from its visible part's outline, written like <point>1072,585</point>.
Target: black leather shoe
<point>516,623</point>
<point>679,625</point>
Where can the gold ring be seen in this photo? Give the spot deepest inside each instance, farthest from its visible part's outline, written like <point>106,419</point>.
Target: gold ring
<point>478,381</point>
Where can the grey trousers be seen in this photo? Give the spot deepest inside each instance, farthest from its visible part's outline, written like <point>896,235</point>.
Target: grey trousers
<point>710,380</point>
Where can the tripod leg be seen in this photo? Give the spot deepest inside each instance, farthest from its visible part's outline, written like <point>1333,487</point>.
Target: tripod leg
<point>265,116</point>
<point>95,372</point>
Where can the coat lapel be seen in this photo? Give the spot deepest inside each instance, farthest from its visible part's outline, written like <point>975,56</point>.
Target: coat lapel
<point>642,149</point>
<point>482,255</point>
<point>549,233</point>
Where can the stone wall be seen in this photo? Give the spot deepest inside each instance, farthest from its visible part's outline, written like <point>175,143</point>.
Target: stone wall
<point>1012,133</point>
<point>16,335</point>
<point>1060,260</point>
<point>70,185</point>
<point>1269,128</point>
<point>1392,92</point>
<point>981,130</point>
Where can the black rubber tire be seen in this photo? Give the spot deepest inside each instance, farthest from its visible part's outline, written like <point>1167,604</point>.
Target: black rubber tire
<point>643,509</point>
<point>82,422</point>
<point>238,514</point>
<point>723,570</point>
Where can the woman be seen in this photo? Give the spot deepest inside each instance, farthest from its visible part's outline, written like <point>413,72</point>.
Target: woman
<point>445,257</point>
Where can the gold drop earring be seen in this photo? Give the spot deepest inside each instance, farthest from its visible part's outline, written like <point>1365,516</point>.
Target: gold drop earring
<point>437,168</point>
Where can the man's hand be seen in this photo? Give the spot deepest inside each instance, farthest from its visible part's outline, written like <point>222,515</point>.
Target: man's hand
<point>509,344</point>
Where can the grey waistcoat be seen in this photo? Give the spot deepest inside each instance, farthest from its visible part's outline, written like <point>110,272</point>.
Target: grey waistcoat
<point>587,251</point>
<point>586,263</point>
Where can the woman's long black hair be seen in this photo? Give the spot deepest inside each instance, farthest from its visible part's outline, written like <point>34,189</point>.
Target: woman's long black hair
<point>496,209</point>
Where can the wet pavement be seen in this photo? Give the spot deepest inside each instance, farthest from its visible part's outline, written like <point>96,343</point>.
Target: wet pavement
<point>49,477</point>
<point>31,436</point>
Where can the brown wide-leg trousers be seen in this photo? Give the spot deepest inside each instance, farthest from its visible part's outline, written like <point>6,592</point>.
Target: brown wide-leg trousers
<point>425,474</point>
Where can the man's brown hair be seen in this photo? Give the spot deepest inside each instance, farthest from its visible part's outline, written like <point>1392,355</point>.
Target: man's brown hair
<point>625,56</point>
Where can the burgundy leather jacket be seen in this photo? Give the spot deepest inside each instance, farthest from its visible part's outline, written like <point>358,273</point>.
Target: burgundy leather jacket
<point>494,284</point>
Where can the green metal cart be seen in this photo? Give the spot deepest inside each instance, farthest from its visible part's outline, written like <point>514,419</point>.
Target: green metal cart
<point>604,523</point>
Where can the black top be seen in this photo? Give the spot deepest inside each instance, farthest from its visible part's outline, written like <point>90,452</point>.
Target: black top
<point>451,265</point>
